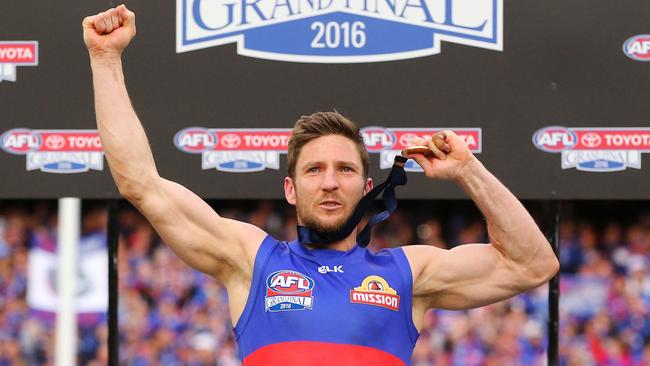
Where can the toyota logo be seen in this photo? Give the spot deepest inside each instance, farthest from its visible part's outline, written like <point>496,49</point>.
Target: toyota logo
<point>590,139</point>
<point>407,139</point>
<point>55,142</point>
<point>230,141</point>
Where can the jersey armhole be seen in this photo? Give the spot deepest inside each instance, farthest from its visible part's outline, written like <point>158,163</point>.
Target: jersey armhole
<point>261,258</point>
<point>404,270</point>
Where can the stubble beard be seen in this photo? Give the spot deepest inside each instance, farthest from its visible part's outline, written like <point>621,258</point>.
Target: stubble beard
<point>310,221</point>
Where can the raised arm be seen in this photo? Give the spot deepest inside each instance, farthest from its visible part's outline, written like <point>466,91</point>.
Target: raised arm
<point>207,242</point>
<point>517,258</point>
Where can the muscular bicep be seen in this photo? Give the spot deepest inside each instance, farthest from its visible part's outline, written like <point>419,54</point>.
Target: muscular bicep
<point>197,234</point>
<point>464,277</point>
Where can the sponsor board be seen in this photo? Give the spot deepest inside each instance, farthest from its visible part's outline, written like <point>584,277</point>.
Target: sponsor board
<point>338,31</point>
<point>595,149</point>
<point>256,149</point>
<point>374,290</point>
<point>389,142</point>
<point>638,47</point>
<point>55,151</point>
<point>288,290</point>
<point>16,53</point>
<point>235,150</point>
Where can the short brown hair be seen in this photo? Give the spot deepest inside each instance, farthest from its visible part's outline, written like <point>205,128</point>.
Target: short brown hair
<point>320,124</point>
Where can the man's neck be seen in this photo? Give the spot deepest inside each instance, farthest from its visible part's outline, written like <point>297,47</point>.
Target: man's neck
<point>342,245</point>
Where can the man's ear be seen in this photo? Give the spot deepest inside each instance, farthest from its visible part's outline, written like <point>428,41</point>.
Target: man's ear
<point>368,187</point>
<point>289,191</point>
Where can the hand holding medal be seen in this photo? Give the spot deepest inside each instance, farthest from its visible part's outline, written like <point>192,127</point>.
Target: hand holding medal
<point>442,156</point>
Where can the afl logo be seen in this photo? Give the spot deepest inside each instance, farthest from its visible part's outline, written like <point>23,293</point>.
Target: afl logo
<point>555,139</point>
<point>230,141</point>
<point>288,290</point>
<point>289,282</point>
<point>20,141</point>
<point>638,47</point>
<point>195,140</point>
<point>378,138</point>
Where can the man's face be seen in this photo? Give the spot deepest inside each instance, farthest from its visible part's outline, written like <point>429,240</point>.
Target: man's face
<point>328,183</point>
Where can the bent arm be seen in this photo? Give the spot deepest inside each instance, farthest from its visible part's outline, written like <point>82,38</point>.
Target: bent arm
<point>518,257</point>
<point>512,231</point>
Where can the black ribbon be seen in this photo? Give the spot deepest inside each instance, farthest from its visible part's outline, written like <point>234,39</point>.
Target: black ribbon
<point>397,177</point>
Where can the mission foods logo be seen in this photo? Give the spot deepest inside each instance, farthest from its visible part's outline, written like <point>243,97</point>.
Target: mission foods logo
<point>16,53</point>
<point>388,142</point>
<point>252,150</point>
<point>595,149</point>
<point>56,151</point>
<point>374,290</point>
<point>338,31</point>
<point>638,47</point>
<point>288,290</point>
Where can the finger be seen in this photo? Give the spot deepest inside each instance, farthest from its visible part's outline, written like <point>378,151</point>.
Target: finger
<point>123,11</point>
<point>105,26</point>
<point>100,26</point>
<point>127,16</point>
<point>436,151</point>
<point>455,142</point>
<point>88,23</point>
<point>109,23</point>
<point>114,18</point>
<point>119,10</point>
<point>440,140</point>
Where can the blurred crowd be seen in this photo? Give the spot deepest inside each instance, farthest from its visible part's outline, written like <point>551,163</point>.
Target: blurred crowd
<point>172,315</point>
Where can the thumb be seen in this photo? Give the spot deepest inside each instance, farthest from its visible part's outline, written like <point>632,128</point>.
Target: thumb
<point>456,144</point>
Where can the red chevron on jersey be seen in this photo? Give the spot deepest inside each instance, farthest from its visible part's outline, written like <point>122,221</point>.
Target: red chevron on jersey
<point>320,353</point>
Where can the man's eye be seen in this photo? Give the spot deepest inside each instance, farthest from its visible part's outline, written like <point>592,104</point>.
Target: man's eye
<point>347,169</point>
<point>313,170</point>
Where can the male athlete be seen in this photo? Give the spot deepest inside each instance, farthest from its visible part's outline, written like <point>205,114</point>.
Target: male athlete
<point>318,304</point>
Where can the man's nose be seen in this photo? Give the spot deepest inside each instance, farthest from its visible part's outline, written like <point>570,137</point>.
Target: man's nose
<point>330,181</point>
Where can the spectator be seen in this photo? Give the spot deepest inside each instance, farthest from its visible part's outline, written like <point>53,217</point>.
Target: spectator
<point>184,319</point>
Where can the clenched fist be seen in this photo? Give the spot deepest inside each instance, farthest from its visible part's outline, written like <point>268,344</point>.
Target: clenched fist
<point>109,33</point>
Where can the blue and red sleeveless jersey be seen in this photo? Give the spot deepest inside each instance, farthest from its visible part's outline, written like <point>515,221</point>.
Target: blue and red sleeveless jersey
<point>327,307</point>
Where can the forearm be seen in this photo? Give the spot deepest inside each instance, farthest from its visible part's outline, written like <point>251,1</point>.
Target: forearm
<point>123,138</point>
<point>511,229</point>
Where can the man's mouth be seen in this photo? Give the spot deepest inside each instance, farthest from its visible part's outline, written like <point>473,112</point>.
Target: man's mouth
<point>330,205</point>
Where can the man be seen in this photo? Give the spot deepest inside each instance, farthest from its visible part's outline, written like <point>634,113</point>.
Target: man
<point>316,304</point>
